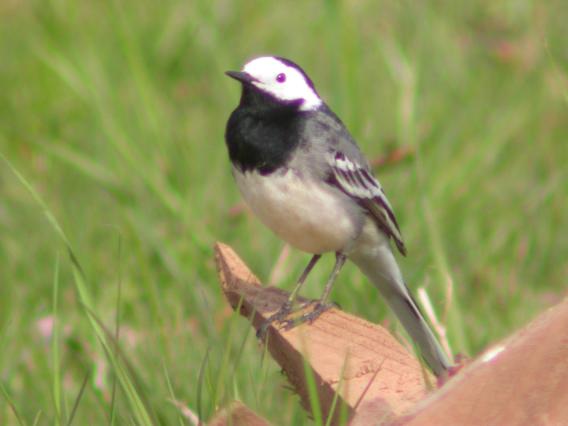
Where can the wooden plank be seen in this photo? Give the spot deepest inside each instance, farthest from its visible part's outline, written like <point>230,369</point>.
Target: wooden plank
<point>368,366</point>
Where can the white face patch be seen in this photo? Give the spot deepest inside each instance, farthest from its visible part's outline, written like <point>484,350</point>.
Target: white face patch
<point>282,81</point>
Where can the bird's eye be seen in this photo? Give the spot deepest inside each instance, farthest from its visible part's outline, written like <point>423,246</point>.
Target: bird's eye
<point>281,78</point>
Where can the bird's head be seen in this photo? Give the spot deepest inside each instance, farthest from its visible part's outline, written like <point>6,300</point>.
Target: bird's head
<point>279,79</point>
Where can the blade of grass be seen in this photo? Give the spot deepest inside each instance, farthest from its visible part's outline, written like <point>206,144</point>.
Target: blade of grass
<point>37,418</point>
<point>55,348</point>
<point>313,393</point>
<point>343,412</point>
<point>221,376</point>
<point>171,392</point>
<point>51,219</point>
<point>264,366</point>
<point>117,328</point>
<point>11,405</point>
<point>127,377</point>
<point>237,358</point>
<point>78,399</point>
<point>200,379</point>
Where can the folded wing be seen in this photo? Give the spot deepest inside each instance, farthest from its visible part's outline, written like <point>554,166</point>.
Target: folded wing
<point>357,181</point>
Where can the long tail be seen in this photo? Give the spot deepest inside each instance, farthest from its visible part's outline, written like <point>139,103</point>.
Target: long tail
<point>380,267</point>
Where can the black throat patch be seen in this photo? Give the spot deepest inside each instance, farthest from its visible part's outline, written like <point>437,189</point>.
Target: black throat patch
<point>263,132</point>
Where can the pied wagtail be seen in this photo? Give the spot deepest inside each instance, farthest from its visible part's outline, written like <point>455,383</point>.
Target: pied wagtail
<point>303,175</point>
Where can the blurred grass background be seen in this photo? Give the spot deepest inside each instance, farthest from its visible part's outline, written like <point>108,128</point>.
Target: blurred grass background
<point>114,112</point>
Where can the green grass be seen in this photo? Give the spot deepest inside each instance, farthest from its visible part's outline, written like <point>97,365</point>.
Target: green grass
<point>114,112</point>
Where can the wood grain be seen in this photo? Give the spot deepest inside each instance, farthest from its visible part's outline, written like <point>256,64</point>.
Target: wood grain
<point>368,366</point>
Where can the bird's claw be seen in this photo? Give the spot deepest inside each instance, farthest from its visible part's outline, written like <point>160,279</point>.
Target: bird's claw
<point>288,324</point>
<point>308,317</point>
<point>282,313</point>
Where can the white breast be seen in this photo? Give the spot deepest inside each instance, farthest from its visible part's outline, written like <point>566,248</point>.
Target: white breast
<point>311,217</point>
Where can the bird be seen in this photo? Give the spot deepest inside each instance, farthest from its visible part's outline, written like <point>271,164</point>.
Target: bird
<point>303,175</point>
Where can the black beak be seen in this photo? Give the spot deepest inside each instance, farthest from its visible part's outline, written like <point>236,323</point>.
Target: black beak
<point>243,77</point>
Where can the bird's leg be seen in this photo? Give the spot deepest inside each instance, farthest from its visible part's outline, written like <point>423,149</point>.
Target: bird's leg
<point>322,304</point>
<point>286,308</point>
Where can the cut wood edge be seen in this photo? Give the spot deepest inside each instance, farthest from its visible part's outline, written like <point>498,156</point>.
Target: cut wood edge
<point>362,361</point>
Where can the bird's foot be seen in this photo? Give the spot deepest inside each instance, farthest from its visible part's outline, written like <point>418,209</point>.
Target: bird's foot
<point>281,316</point>
<point>282,313</point>
<point>309,317</point>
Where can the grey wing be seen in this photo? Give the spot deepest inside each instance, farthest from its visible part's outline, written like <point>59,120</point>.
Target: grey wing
<point>356,180</point>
